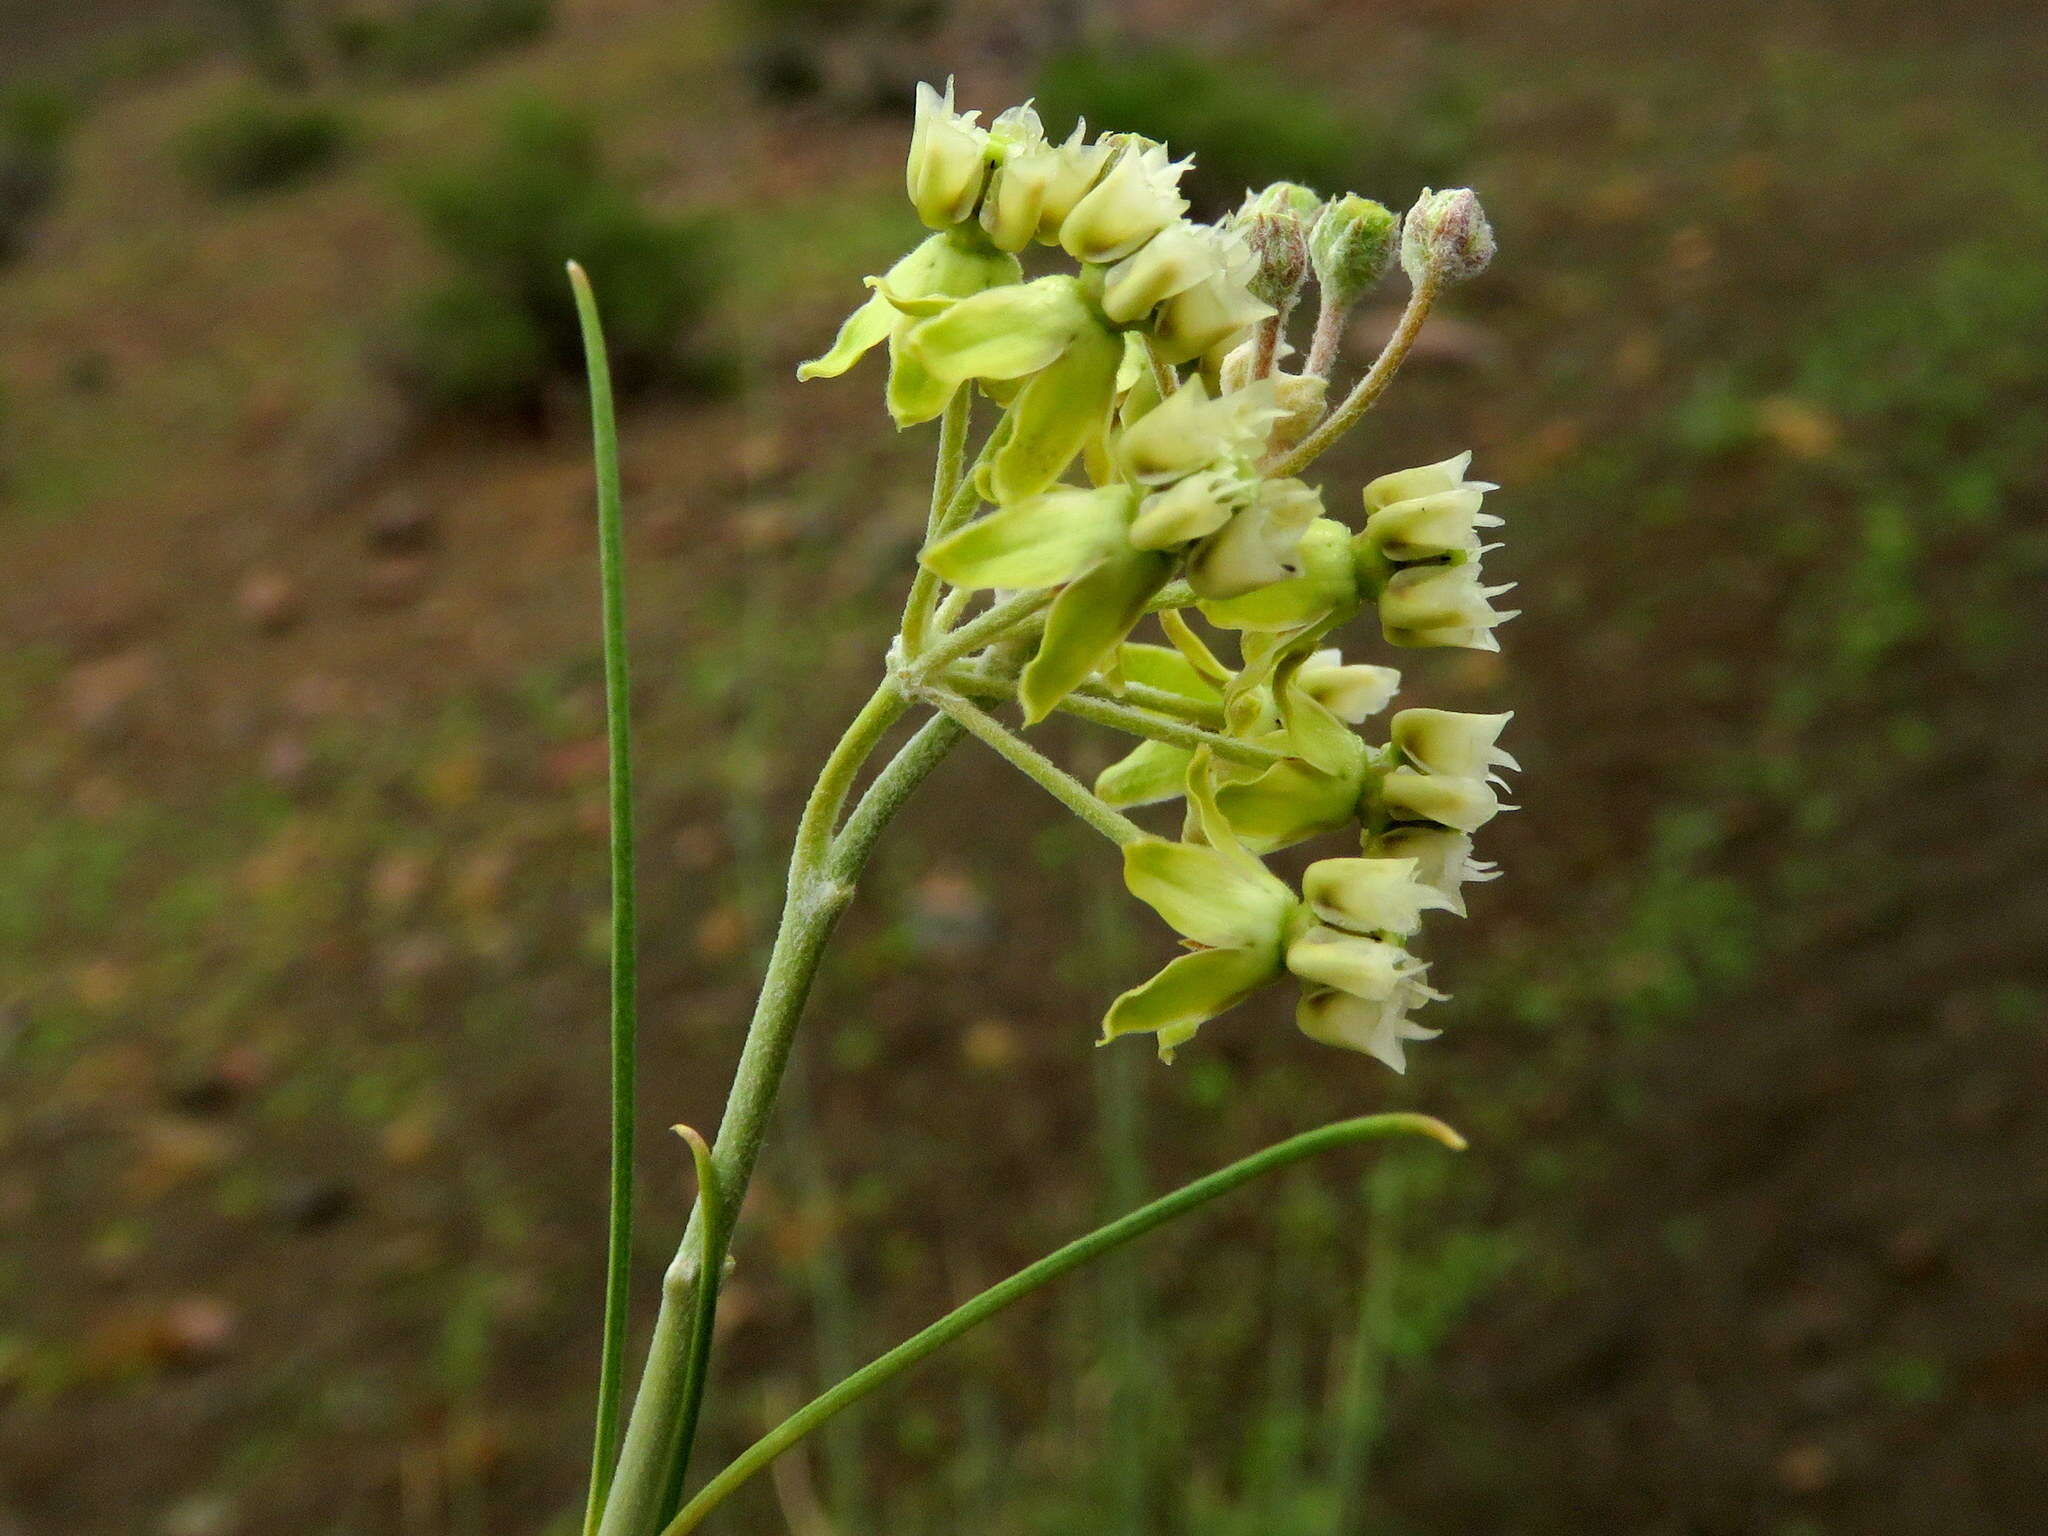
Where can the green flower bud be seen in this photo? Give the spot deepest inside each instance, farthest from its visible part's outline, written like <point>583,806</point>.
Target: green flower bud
<point>1462,804</point>
<point>1442,859</point>
<point>1425,605</point>
<point>1275,224</point>
<point>1351,246</point>
<point>1370,895</point>
<point>1136,198</point>
<point>948,159</point>
<point>1190,430</point>
<point>1036,186</point>
<point>1285,197</point>
<point>1446,741</point>
<point>1170,263</point>
<point>1445,237</point>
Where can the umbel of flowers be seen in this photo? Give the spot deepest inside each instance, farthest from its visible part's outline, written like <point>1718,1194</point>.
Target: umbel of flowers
<point>1155,420</point>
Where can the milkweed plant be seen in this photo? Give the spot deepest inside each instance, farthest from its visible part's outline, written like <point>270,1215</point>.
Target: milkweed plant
<point>1123,528</point>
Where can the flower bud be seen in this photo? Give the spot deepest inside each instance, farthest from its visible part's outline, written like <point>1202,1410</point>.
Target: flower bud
<point>948,159</point>
<point>1445,237</point>
<point>1351,246</point>
<point>1442,859</point>
<point>1449,742</point>
<point>1136,198</point>
<point>1441,605</point>
<point>1370,895</point>
<point>1274,224</point>
<point>1352,693</point>
<point>1463,805</point>
<point>1171,262</point>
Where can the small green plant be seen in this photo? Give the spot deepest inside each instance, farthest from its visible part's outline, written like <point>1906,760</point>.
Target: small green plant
<point>35,125</point>
<point>501,327</point>
<point>431,38</point>
<point>257,141</point>
<point>1145,466</point>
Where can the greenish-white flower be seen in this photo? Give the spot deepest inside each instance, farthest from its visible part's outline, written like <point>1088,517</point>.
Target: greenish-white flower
<point>1442,605</point>
<point>1448,741</point>
<point>1137,197</point>
<point>1442,859</point>
<point>1191,430</point>
<point>1384,896</point>
<point>1256,547</point>
<point>1036,185</point>
<point>1210,315</point>
<point>1176,259</point>
<point>949,159</point>
<point>1380,1027</point>
<point>1447,800</point>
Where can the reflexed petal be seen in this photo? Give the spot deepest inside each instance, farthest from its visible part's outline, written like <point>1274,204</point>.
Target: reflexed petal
<point>1204,317</point>
<point>1056,414</point>
<point>1189,509</point>
<point>1135,200</point>
<point>1443,860</point>
<point>1189,992</point>
<point>1002,333</point>
<point>1287,804</point>
<point>913,395</point>
<point>1038,542</point>
<point>1207,895</point>
<point>1162,666</point>
<point>1150,772</point>
<point>1352,693</point>
<point>859,333</point>
<point>1085,625</point>
<point>1430,527</point>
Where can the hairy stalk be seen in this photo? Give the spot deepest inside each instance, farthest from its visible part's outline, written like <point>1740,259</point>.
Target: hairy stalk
<point>1368,389</point>
<point>1025,1281</point>
<point>1128,718</point>
<point>947,482</point>
<point>1159,701</point>
<point>983,629</point>
<point>1039,768</point>
<point>1328,339</point>
<point>624,927</point>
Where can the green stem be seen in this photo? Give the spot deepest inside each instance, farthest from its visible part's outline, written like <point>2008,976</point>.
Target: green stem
<point>948,481</point>
<point>624,929</point>
<point>1368,389</point>
<point>1050,1268</point>
<point>982,629</point>
<point>654,1455</point>
<point>1039,768</point>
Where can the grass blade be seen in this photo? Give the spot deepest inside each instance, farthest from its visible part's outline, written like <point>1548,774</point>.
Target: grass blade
<point>625,933</point>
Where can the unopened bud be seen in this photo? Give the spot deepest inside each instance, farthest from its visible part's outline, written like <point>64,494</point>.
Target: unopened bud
<point>1351,247</point>
<point>1445,237</point>
<point>1279,243</point>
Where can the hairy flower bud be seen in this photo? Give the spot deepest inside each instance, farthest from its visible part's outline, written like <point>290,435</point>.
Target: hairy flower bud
<point>948,159</point>
<point>1275,224</point>
<point>1136,198</point>
<point>1445,237</point>
<point>1351,246</point>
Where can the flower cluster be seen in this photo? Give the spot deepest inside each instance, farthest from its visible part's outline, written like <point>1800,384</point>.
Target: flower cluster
<point>1147,461</point>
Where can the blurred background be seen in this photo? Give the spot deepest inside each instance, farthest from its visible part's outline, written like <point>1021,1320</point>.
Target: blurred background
<point>302,868</point>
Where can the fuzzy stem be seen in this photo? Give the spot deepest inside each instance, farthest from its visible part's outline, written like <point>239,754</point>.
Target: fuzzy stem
<point>655,1453</point>
<point>1131,719</point>
<point>1328,339</point>
<point>1039,768</point>
<point>983,629</point>
<point>1003,1294</point>
<point>1368,389</point>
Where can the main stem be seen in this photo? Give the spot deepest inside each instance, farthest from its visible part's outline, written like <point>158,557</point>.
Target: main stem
<point>655,1453</point>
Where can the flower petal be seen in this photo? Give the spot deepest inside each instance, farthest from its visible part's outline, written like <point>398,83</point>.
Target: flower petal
<point>1055,415</point>
<point>1184,996</point>
<point>1207,895</point>
<point>1038,542</point>
<point>1086,624</point>
<point>1150,772</point>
